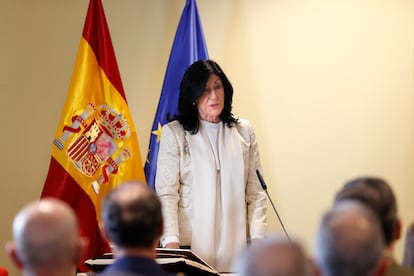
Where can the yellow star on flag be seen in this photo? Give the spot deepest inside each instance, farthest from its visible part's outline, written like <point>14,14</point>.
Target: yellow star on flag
<point>158,132</point>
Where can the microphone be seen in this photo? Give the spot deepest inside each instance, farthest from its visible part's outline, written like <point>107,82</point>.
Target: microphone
<point>263,184</point>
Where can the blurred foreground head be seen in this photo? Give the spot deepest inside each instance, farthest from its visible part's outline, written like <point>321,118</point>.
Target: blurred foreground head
<point>377,194</point>
<point>46,239</point>
<point>274,256</point>
<point>349,241</point>
<point>131,216</point>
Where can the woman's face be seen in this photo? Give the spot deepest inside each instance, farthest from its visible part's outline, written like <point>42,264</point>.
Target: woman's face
<point>211,102</point>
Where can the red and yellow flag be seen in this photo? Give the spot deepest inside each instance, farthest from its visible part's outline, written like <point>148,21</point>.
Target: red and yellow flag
<point>95,146</point>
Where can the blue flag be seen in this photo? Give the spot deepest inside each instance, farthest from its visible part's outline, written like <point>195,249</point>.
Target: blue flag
<point>189,46</point>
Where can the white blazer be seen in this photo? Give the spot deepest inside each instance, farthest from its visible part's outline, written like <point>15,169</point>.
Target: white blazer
<point>174,181</point>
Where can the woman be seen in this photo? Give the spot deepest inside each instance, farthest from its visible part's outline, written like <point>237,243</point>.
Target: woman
<point>206,171</point>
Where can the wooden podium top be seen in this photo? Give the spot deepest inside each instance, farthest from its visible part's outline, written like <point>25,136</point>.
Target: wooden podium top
<point>172,260</point>
<point>92,273</point>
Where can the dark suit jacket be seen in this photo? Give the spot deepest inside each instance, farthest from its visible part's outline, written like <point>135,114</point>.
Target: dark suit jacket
<point>128,266</point>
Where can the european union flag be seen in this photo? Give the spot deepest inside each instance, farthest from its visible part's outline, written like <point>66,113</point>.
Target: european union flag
<point>189,46</point>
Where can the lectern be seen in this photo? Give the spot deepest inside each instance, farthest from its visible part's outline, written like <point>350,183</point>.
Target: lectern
<point>172,260</point>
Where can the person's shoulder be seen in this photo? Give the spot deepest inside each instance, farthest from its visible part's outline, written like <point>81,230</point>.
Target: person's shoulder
<point>173,126</point>
<point>244,127</point>
<point>243,123</point>
<point>173,123</point>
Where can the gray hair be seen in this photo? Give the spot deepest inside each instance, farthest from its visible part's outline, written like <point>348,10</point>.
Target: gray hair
<point>349,241</point>
<point>275,256</point>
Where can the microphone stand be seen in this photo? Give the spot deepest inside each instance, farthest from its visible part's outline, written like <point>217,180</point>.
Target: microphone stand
<point>263,184</point>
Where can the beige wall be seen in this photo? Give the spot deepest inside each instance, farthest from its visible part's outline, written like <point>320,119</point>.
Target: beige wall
<point>328,85</point>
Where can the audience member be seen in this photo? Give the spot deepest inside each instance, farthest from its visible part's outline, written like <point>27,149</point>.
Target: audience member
<point>132,222</point>
<point>46,239</point>
<point>275,256</point>
<point>378,195</point>
<point>349,241</point>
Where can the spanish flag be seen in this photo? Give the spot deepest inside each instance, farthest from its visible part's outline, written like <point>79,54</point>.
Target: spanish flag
<point>95,146</point>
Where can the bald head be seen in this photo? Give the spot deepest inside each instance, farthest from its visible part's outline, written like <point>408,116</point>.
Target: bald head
<point>274,256</point>
<point>46,234</point>
<point>131,214</point>
<point>349,240</point>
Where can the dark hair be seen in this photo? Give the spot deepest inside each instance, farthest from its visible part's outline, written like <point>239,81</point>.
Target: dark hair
<point>376,194</point>
<point>137,222</point>
<point>192,86</point>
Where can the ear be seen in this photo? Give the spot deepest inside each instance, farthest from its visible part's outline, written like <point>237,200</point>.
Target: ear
<point>12,253</point>
<point>161,231</point>
<point>382,267</point>
<point>104,235</point>
<point>81,249</point>
<point>314,267</point>
<point>397,229</point>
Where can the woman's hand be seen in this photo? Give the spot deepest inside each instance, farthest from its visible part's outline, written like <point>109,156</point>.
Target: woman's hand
<point>173,245</point>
